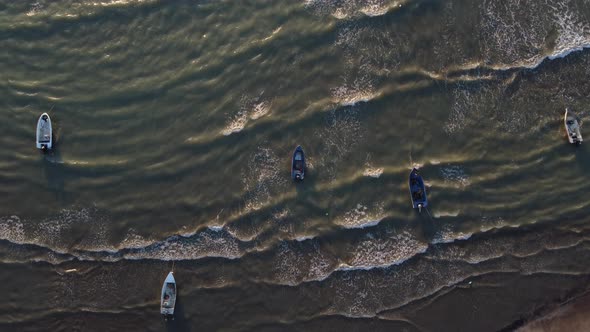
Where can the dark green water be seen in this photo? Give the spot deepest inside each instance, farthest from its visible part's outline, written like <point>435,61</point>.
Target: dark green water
<point>174,124</point>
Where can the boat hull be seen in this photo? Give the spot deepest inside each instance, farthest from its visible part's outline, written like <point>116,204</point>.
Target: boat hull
<point>298,166</point>
<point>572,127</point>
<point>44,138</point>
<point>168,298</point>
<point>417,190</point>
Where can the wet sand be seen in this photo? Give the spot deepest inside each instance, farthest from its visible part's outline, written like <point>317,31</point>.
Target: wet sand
<point>569,317</point>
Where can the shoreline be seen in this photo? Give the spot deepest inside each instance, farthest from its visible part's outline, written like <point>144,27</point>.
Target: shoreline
<point>571,315</point>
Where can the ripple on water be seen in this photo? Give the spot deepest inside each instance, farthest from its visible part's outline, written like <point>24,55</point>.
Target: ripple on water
<point>463,102</point>
<point>133,240</point>
<point>361,216</point>
<point>516,33</point>
<point>80,9</point>
<point>370,170</point>
<point>339,137</point>
<point>573,32</point>
<point>455,174</point>
<point>361,89</point>
<point>263,178</point>
<point>299,261</point>
<point>385,250</point>
<point>250,109</point>
<point>351,8</point>
<point>207,243</point>
<point>61,231</point>
<point>11,229</point>
<point>373,172</point>
<point>362,59</point>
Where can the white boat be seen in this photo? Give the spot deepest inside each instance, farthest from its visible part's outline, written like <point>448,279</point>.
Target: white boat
<point>44,132</point>
<point>168,296</point>
<point>572,127</point>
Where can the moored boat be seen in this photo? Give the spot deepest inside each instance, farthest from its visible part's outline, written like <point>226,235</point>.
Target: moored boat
<point>168,300</point>
<point>572,127</point>
<point>417,190</point>
<point>44,137</point>
<point>298,164</point>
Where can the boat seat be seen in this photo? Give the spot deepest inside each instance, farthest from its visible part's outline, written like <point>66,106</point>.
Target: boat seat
<point>298,165</point>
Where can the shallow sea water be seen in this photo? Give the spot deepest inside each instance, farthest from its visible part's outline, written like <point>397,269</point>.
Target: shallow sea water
<point>174,125</point>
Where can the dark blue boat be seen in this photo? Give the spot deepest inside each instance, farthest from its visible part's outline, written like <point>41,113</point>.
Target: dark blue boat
<point>417,190</point>
<point>298,164</point>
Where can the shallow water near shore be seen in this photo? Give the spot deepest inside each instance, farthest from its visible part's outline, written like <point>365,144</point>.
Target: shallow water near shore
<point>175,123</point>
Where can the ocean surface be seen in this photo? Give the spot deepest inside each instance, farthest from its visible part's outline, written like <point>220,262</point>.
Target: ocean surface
<point>174,125</point>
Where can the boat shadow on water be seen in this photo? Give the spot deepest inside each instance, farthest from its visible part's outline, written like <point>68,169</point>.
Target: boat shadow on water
<point>306,186</point>
<point>179,323</point>
<point>307,195</point>
<point>54,169</point>
<point>582,156</point>
<point>427,225</point>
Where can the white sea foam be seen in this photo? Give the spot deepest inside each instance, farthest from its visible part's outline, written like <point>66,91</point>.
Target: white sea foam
<point>462,104</point>
<point>511,34</point>
<point>374,172</point>
<point>360,90</point>
<point>342,133</point>
<point>11,229</point>
<point>216,228</point>
<point>203,244</point>
<point>304,238</point>
<point>441,213</point>
<point>111,3</point>
<point>370,170</point>
<point>351,8</point>
<point>249,109</point>
<point>455,174</point>
<point>384,251</point>
<point>53,234</point>
<point>448,234</point>
<point>297,262</point>
<point>361,216</point>
<point>259,110</point>
<point>264,178</point>
<point>134,241</point>
<point>574,33</point>
<point>236,123</point>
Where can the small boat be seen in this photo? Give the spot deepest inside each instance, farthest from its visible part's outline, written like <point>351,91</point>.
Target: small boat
<point>44,133</point>
<point>168,296</point>
<point>298,164</point>
<point>417,190</point>
<point>572,127</point>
